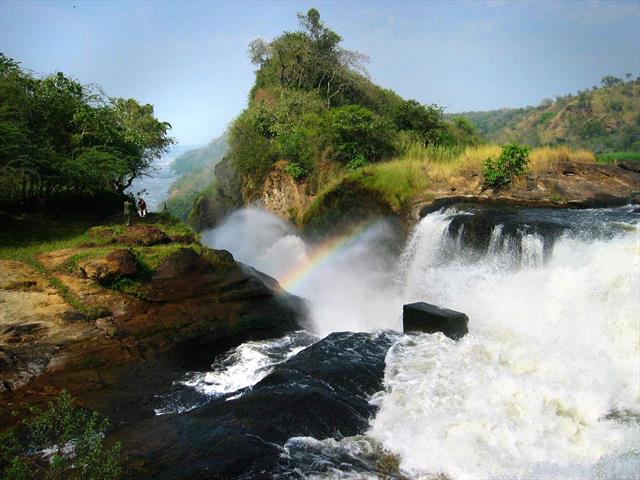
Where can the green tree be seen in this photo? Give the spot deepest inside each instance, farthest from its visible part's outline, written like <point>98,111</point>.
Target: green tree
<point>425,120</point>
<point>513,161</point>
<point>610,81</point>
<point>58,137</point>
<point>357,132</point>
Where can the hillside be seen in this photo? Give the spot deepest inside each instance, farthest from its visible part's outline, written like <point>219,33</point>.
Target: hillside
<point>314,114</point>
<point>603,119</point>
<point>316,122</point>
<point>196,170</point>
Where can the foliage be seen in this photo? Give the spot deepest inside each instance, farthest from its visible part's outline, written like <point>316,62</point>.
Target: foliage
<point>60,442</point>
<point>357,132</point>
<point>614,157</point>
<point>61,138</point>
<point>500,171</point>
<point>357,162</point>
<point>425,120</point>
<point>295,170</point>
<point>602,119</point>
<point>312,99</point>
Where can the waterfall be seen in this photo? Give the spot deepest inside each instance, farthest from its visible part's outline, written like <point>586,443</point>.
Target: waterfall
<point>545,385</point>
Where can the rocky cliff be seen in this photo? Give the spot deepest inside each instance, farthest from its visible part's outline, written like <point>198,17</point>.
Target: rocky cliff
<point>117,319</point>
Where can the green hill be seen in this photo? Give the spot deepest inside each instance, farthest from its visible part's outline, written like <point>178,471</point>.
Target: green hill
<point>196,170</point>
<point>314,109</point>
<point>603,119</point>
<point>201,157</point>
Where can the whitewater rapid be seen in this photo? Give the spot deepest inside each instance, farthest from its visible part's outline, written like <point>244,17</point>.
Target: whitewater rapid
<point>545,385</point>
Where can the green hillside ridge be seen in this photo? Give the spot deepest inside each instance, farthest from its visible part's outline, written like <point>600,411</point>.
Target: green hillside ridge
<point>196,170</point>
<point>315,115</point>
<point>603,119</point>
<point>201,157</point>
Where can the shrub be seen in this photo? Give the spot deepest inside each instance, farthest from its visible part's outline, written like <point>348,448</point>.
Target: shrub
<point>59,442</point>
<point>296,170</point>
<point>356,131</point>
<point>358,162</point>
<point>500,171</point>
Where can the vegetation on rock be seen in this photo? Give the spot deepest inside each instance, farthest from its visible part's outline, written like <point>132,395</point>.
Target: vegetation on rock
<point>61,441</point>
<point>314,106</point>
<point>500,171</point>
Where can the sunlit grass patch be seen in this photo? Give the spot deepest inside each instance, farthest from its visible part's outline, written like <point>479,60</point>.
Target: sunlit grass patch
<point>614,157</point>
<point>423,169</point>
<point>547,158</point>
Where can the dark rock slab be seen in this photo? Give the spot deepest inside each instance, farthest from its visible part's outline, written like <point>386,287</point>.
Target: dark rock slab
<point>424,317</point>
<point>322,392</point>
<point>631,165</point>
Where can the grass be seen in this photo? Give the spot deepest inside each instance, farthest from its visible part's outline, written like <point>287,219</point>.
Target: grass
<point>24,238</point>
<point>422,169</point>
<point>613,157</point>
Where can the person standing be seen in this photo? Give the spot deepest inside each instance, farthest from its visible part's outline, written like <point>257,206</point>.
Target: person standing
<point>127,212</point>
<point>142,208</point>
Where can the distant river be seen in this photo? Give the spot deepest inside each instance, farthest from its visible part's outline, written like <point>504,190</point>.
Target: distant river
<point>154,188</point>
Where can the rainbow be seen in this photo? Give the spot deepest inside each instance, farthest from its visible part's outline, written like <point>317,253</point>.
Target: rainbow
<point>323,253</point>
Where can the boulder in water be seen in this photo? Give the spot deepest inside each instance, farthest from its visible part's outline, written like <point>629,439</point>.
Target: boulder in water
<point>424,317</point>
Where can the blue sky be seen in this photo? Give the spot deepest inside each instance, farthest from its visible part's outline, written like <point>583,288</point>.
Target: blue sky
<point>189,58</point>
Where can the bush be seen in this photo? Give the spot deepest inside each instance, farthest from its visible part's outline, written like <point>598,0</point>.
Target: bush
<point>356,163</point>
<point>295,170</point>
<point>500,171</point>
<point>59,442</point>
<point>356,131</point>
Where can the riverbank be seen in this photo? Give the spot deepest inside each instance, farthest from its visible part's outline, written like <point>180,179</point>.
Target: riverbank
<point>113,314</point>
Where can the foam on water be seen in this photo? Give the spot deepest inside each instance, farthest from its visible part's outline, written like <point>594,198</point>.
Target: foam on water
<point>247,364</point>
<point>552,352</point>
<point>546,384</point>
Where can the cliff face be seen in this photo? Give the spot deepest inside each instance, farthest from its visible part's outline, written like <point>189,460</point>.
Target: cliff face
<point>222,196</point>
<point>283,196</point>
<point>353,200</point>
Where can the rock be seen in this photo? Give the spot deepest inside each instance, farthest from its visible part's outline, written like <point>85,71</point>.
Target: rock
<point>144,235</point>
<point>182,263</point>
<point>424,317</point>
<point>211,207</point>
<point>102,233</point>
<point>567,168</point>
<point>631,165</point>
<point>118,263</point>
<point>283,196</point>
<point>322,392</point>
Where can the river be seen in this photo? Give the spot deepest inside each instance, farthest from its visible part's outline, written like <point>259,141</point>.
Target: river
<point>545,385</point>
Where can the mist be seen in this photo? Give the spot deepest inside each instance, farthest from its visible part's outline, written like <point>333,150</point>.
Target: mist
<point>353,288</point>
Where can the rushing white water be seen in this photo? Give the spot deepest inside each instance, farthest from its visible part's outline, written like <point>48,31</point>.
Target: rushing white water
<point>545,385</point>
<point>247,364</point>
<point>533,390</point>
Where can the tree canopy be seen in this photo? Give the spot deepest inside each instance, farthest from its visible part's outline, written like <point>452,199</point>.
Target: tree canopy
<point>313,100</point>
<point>61,138</point>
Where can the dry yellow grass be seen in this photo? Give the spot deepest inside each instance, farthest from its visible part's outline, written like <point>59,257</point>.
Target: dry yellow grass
<point>547,158</point>
<point>440,164</point>
<point>424,168</point>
